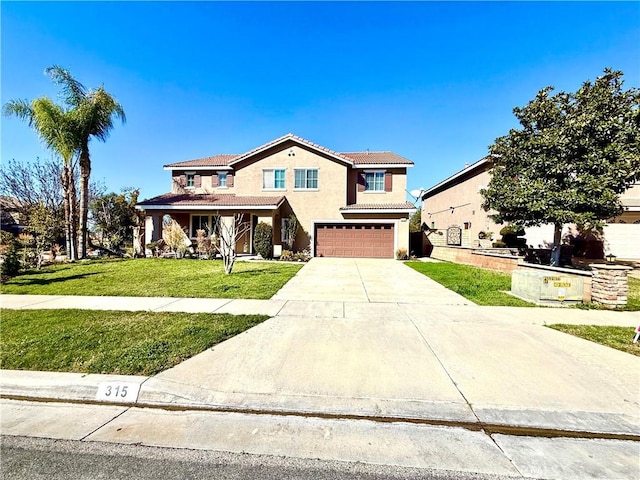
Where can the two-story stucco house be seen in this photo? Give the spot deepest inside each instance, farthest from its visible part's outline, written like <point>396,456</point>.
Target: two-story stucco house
<point>455,204</point>
<point>347,204</point>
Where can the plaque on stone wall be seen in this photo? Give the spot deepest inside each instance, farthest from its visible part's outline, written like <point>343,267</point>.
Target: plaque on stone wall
<point>454,235</point>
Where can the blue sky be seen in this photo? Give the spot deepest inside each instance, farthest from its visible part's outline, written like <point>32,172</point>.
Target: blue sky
<point>433,82</point>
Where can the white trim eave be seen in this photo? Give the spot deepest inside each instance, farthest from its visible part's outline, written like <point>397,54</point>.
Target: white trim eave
<point>286,139</point>
<point>208,207</point>
<point>193,168</point>
<point>473,166</point>
<point>378,166</point>
<point>380,210</point>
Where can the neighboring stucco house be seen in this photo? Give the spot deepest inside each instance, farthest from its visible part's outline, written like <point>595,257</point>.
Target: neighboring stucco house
<point>456,202</point>
<point>11,215</point>
<point>347,204</point>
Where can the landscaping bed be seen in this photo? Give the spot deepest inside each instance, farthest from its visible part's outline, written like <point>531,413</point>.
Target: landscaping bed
<point>116,342</point>
<point>153,277</point>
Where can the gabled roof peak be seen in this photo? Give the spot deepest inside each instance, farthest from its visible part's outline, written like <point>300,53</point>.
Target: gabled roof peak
<point>351,158</point>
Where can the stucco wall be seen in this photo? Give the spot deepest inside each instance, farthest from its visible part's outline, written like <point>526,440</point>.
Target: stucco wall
<point>466,200</point>
<point>323,203</point>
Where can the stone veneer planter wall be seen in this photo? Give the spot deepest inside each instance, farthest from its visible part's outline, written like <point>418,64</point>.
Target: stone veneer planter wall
<point>610,286</point>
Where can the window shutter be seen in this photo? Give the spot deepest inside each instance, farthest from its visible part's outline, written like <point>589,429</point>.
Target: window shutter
<point>214,180</point>
<point>388,181</point>
<point>197,181</point>
<point>361,182</point>
<point>229,179</point>
<point>182,181</point>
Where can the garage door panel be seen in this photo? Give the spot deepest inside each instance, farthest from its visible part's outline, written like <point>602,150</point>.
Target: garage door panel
<point>355,240</point>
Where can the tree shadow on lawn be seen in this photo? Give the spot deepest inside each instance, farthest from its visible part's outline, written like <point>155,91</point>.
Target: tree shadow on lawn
<point>47,281</point>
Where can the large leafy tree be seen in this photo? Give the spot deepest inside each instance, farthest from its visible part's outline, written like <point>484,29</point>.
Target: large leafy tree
<point>93,113</point>
<point>56,128</point>
<point>572,156</point>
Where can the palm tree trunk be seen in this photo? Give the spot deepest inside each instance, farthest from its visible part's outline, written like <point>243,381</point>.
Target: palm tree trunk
<point>67,210</point>
<point>85,171</point>
<point>73,215</point>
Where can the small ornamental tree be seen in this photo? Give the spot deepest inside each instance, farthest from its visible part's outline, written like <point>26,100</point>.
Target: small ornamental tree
<point>228,231</point>
<point>113,217</point>
<point>572,156</point>
<point>292,230</point>
<point>263,240</point>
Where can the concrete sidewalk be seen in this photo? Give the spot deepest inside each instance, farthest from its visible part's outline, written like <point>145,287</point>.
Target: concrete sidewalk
<point>408,390</point>
<point>464,364</point>
<point>382,382</point>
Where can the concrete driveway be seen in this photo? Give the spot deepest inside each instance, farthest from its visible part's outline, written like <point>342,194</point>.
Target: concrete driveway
<point>365,280</point>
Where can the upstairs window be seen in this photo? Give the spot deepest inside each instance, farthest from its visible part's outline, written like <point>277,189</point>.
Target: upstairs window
<point>191,180</point>
<point>306,178</point>
<point>273,179</point>
<point>374,181</point>
<point>222,179</point>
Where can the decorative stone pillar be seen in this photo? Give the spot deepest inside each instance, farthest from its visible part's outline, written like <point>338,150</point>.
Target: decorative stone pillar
<point>609,285</point>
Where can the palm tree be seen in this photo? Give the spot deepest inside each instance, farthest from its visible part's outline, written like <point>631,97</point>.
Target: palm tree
<point>93,113</point>
<point>55,128</point>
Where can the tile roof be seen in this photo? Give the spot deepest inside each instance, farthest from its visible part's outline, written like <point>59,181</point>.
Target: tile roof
<point>210,200</point>
<point>372,158</point>
<point>221,160</point>
<point>355,158</point>
<point>379,206</point>
<point>291,136</point>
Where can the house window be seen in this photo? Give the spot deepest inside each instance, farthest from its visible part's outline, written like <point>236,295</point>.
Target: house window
<point>200,222</point>
<point>374,181</point>
<point>222,179</point>
<point>191,180</point>
<point>306,178</point>
<point>273,179</point>
<point>208,223</point>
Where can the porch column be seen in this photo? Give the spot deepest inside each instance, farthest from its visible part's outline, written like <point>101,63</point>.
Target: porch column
<point>152,228</point>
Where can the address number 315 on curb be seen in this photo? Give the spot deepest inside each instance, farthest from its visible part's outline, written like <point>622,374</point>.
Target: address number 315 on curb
<point>120,392</point>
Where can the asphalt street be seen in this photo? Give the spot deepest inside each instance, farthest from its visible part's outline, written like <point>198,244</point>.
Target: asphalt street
<point>37,458</point>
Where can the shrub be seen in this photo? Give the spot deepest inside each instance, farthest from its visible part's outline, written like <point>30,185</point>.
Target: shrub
<point>263,240</point>
<point>303,256</point>
<point>401,254</point>
<point>286,256</point>
<point>11,261</point>
<point>511,236</point>
<point>499,244</point>
<point>175,237</point>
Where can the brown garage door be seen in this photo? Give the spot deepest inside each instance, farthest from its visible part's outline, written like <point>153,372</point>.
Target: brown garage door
<point>354,240</point>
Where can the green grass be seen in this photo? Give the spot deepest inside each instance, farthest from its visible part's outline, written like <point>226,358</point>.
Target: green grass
<point>620,338</point>
<point>128,343</point>
<point>155,278</point>
<point>633,300</point>
<point>483,287</point>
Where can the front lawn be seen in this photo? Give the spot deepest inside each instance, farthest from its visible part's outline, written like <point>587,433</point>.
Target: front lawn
<point>633,300</point>
<point>153,277</point>
<point>94,341</point>
<point>620,338</point>
<point>483,287</point>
